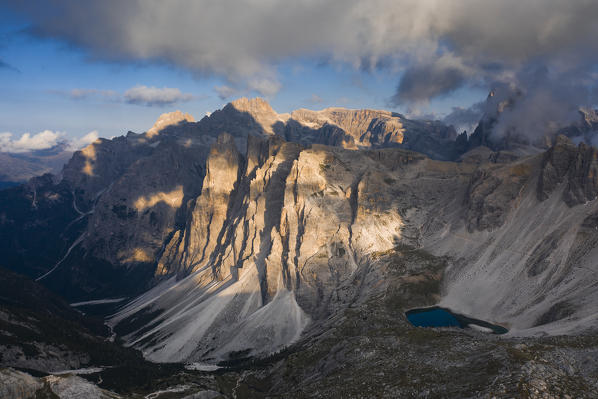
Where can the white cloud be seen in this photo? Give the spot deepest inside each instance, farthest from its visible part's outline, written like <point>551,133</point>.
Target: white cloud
<point>27,142</point>
<point>77,144</point>
<point>43,141</point>
<point>150,96</point>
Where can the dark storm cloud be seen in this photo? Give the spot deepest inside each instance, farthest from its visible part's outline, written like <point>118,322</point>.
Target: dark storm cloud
<point>424,82</point>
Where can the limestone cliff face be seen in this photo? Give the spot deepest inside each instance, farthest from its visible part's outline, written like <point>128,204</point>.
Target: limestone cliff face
<point>193,247</point>
<point>138,211</point>
<point>244,117</point>
<point>494,190</point>
<point>92,169</point>
<point>283,237</point>
<point>277,234</point>
<point>135,190</point>
<point>576,166</point>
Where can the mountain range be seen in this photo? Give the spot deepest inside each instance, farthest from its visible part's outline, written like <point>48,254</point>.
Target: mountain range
<point>286,248</point>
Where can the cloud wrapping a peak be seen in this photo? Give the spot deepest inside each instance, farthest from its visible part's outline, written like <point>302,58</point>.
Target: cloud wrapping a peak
<point>151,96</point>
<point>541,103</point>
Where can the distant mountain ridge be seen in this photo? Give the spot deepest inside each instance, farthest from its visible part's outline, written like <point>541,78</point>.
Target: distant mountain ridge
<point>19,167</point>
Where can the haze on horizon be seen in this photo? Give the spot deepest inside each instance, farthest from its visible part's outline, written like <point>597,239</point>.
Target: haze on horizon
<point>73,70</point>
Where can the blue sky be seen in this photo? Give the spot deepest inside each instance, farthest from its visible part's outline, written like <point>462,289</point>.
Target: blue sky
<point>43,72</point>
<point>111,66</point>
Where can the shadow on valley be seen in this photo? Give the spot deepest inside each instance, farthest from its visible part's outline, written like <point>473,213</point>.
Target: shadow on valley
<point>42,333</point>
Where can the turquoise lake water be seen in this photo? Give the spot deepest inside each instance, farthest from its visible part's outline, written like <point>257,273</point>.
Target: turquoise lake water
<point>442,317</point>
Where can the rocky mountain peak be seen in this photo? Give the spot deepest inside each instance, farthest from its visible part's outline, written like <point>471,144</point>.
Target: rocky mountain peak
<point>259,110</point>
<point>251,105</point>
<point>167,119</point>
<point>577,166</point>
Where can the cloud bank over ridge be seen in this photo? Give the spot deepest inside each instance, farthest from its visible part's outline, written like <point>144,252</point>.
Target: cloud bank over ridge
<point>44,140</point>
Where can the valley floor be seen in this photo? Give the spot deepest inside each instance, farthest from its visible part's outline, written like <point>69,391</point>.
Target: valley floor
<point>371,352</point>
<point>367,350</point>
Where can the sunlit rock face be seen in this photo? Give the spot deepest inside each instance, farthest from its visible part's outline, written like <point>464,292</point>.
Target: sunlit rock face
<point>339,127</point>
<point>135,189</point>
<point>272,243</point>
<point>169,119</point>
<point>259,110</point>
